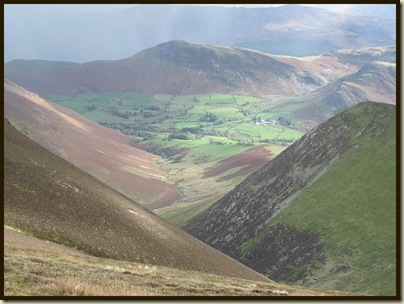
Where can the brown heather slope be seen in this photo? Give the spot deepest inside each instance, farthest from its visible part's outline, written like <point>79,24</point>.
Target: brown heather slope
<point>52,199</point>
<point>98,150</point>
<point>245,162</point>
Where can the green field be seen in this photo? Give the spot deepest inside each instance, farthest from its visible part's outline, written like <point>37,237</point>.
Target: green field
<point>235,119</point>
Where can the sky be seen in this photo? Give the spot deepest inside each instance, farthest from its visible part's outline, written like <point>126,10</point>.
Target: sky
<point>42,31</point>
<point>64,32</point>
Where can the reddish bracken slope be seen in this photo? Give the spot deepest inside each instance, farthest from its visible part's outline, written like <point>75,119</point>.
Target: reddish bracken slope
<point>247,162</point>
<point>102,152</point>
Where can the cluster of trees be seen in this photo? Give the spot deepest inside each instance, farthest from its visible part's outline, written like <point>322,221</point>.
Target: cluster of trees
<point>209,117</point>
<point>278,141</point>
<point>140,130</point>
<point>153,108</point>
<point>174,153</point>
<point>284,121</point>
<point>178,136</point>
<point>241,142</point>
<point>114,111</point>
<point>91,108</point>
<point>148,114</point>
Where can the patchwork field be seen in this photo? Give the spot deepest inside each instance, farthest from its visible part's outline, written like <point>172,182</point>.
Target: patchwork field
<point>242,120</point>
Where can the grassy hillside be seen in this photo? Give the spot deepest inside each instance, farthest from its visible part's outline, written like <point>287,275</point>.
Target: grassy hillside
<point>69,272</point>
<point>323,212</point>
<point>353,209</point>
<point>49,198</point>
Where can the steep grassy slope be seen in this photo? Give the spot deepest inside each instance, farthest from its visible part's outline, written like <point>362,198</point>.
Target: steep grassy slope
<point>34,267</point>
<point>323,212</point>
<point>98,150</point>
<point>48,197</point>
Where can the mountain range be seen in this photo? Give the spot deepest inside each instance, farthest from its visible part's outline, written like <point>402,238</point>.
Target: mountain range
<point>332,80</point>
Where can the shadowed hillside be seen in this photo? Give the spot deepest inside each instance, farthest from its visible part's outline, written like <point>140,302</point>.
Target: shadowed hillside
<point>322,213</point>
<point>49,198</point>
<point>98,150</point>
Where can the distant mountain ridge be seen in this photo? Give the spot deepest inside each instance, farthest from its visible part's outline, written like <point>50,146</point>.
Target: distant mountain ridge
<point>321,210</point>
<point>175,67</point>
<point>180,68</point>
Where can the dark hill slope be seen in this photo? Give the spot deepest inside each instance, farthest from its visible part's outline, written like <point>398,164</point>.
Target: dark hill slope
<point>100,151</point>
<point>322,213</point>
<point>50,198</point>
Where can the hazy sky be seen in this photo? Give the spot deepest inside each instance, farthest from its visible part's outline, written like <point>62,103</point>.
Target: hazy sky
<point>86,32</point>
<point>67,8</point>
<point>46,31</point>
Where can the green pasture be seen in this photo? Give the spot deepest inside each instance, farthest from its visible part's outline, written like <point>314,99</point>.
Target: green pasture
<point>201,150</point>
<point>163,114</point>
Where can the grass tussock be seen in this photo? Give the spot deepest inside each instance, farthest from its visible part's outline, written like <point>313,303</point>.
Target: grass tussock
<point>74,286</point>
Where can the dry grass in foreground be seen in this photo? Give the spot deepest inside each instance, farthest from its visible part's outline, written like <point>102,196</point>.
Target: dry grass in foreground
<point>33,267</point>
